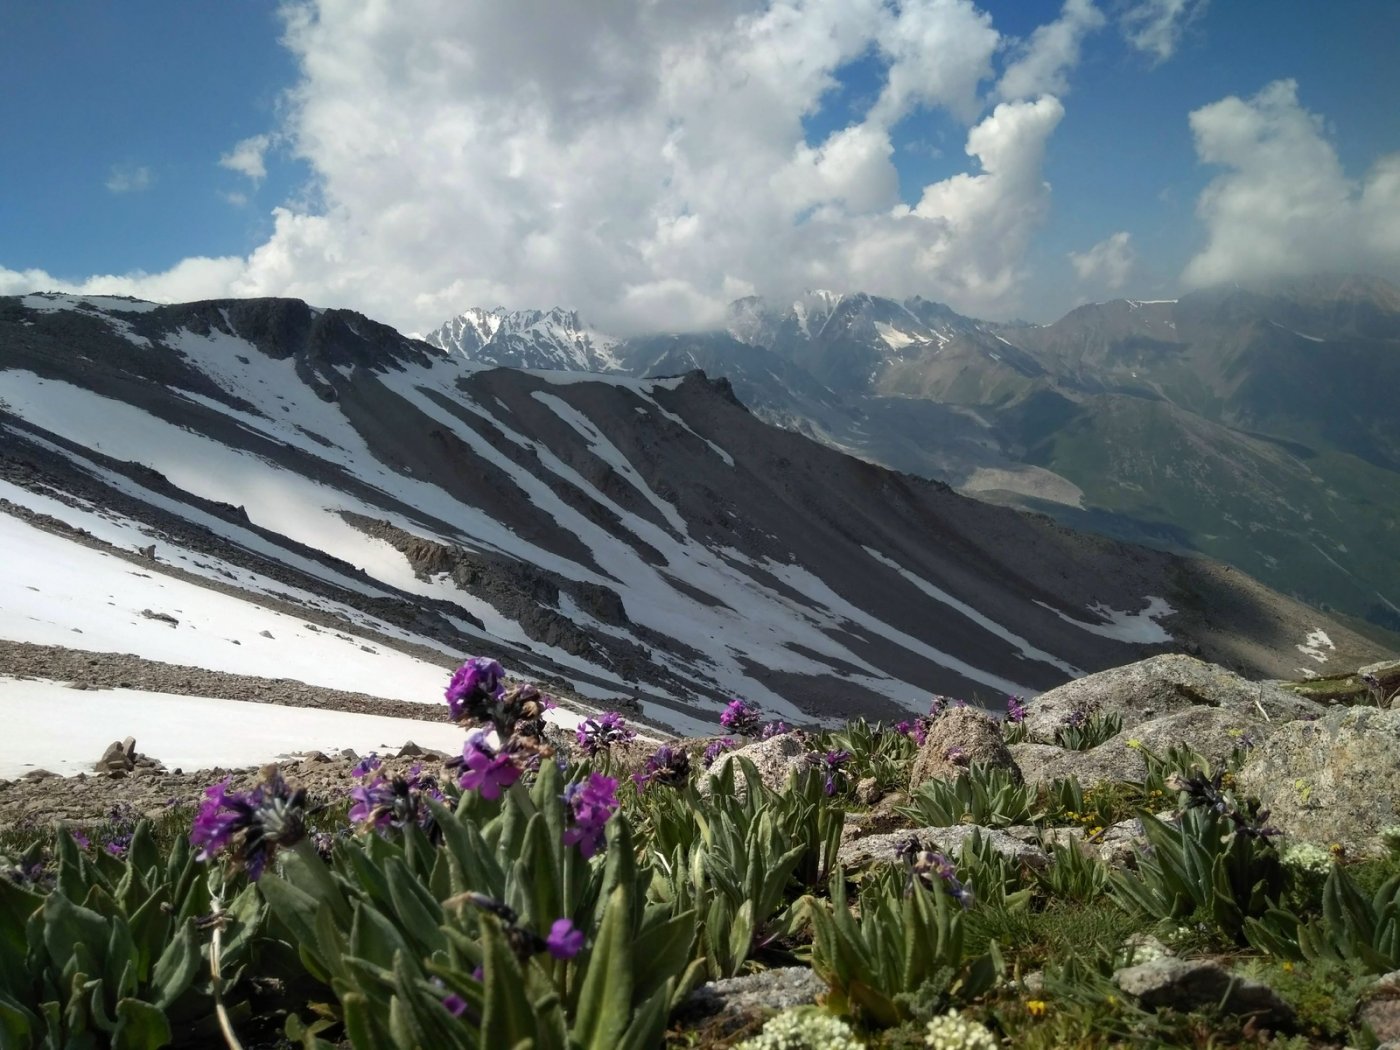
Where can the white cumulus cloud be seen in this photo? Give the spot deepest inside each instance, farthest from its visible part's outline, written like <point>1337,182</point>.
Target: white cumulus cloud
<point>645,162</point>
<point>1043,63</point>
<point>1284,206</point>
<point>1107,264</point>
<point>248,157</point>
<point>1155,27</point>
<point>129,178</point>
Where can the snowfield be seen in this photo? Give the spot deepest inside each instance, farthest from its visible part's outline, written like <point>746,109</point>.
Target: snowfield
<point>49,726</point>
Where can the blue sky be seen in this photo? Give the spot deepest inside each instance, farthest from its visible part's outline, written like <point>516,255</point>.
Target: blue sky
<point>413,159</point>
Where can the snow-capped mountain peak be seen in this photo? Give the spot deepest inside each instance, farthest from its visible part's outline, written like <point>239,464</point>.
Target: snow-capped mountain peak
<point>552,339</point>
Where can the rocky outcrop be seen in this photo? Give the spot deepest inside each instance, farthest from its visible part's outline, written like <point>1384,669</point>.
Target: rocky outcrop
<point>1159,686</point>
<point>1185,985</point>
<point>1211,732</point>
<point>959,738</point>
<point>884,849</point>
<point>1333,779</point>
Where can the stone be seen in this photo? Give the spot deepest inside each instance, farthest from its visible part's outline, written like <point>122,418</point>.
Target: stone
<point>129,748</point>
<point>1335,779</point>
<point>315,756</point>
<point>1379,1008</point>
<point>265,634</point>
<point>770,991</point>
<point>411,750</point>
<point>114,758</point>
<point>775,759</point>
<point>1199,984</point>
<point>868,791</point>
<point>884,849</point>
<point>1159,686</point>
<point>1212,732</point>
<point>958,738</point>
<point>160,617</point>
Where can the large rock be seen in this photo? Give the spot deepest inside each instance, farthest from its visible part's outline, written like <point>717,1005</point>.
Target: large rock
<point>1212,732</point>
<point>958,738</point>
<point>1336,779</point>
<point>884,849</point>
<point>1161,685</point>
<point>1198,984</point>
<point>775,759</point>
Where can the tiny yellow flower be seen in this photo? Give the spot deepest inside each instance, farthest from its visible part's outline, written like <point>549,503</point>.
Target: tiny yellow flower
<point>1037,1007</point>
<point>1287,967</point>
<point>1337,850</point>
<point>1134,743</point>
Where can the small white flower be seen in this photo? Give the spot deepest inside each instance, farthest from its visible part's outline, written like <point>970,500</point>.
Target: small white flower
<point>1304,856</point>
<point>804,1028</point>
<point>954,1032</point>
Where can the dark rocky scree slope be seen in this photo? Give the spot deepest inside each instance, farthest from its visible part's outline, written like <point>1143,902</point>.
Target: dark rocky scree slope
<point>1238,422</point>
<point>654,535</point>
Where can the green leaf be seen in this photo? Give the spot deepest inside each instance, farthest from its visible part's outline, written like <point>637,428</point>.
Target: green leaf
<point>507,1014</point>
<point>605,1000</point>
<point>177,967</point>
<point>69,927</point>
<point>140,1026</point>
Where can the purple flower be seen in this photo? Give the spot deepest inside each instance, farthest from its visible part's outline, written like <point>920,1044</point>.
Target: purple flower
<point>82,841</point>
<point>717,748</point>
<point>956,755</point>
<point>775,728</point>
<point>253,824</point>
<point>1078,718</point>
<point>486,770</point>
<point>395,802</point>
<point>668,765</point>
<point>564,941</point>
<point>831,764</point>
<point>1015,709</point>
<point>595,735</point>
<point>928,866</point>
<point>476,683</point>
<point>365,766</point>
<point>591,804</point>
<point>741,717</point>
<point>918,729</point>
<point>118,845</point>
<point>454,1004</point>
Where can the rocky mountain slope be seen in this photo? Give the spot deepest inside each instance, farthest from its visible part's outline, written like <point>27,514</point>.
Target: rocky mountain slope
<point>1246,424</point>
<point>648,539</point>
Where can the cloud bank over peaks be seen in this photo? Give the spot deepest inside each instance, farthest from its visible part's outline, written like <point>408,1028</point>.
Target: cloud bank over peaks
<point>1108,264</point>
<point>645,163</point>
<point>1284,207</point>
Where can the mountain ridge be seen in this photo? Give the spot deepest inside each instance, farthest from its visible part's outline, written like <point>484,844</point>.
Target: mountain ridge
<point>647,539</point>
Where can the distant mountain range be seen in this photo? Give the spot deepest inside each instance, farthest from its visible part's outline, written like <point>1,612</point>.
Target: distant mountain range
<point>1256,425</point>
<point>649,539</point>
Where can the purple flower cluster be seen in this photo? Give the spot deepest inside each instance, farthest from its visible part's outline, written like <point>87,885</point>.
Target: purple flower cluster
<point>668,765</point>
<point>591,804</point>
<point>394,802</point>
<point>600,734</point>
<point>775,728</point>
<point>716,748</point>
<point>956,755</point>
<point>741,717</point>
<point>928,866</point>
<point>365,766</point>
<point>1016,709</point>
<point>917,728</point>
<point>252,824</point>
<point>830,766</point>
<point>474,688</point>
<point>486,770</point>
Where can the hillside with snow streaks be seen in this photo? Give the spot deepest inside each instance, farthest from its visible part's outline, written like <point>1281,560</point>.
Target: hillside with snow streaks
<point>622,538</point>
